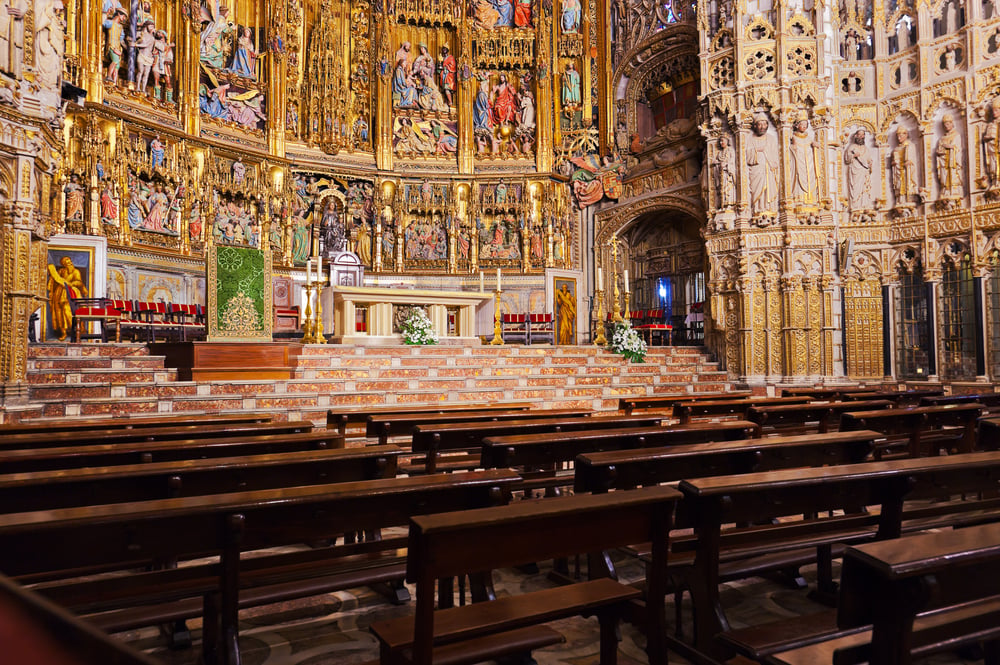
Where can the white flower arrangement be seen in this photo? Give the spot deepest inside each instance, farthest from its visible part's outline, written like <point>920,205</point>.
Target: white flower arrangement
<point>626,340</point>
<point>418,329</point>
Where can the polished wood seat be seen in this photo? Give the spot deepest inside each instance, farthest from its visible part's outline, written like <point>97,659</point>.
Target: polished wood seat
<point>341,418</point>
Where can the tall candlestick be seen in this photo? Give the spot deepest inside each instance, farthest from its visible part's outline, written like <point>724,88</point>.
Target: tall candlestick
<point>498,279</point>
<point>626,282</point>
<point>600,280</point>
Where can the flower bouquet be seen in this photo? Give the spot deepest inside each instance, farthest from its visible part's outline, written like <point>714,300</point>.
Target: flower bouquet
<point>626,340</point>
<point>418,329</point>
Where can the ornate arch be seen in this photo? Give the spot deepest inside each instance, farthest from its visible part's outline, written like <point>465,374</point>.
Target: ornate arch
<point>617,219</point>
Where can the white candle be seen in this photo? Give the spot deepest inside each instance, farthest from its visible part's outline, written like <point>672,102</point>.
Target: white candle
<point>319,269</point>
<point>309,265</point>
<point>626,282</point>
<point>498,279</point>
<point>600,280</point>
<point>482,287</point>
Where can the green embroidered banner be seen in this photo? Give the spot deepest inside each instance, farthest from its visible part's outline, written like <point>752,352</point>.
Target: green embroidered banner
<point>239,294</point>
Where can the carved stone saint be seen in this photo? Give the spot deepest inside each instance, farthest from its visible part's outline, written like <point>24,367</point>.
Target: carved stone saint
<point>803,154</point>
<point>858,172</point>
<point>724,172</point>
<point>903,165</point>
<point>991,144</point>
<point>948,160</point>
<point>762,167</point>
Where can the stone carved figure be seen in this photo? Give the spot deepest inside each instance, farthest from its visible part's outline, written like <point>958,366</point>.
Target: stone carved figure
<point>991,144</point>
<point>49,42</point>
<point>858,172</point>
<point>724,172</point>
<point>762,167</point>
<point>903,167</point>
<point>803,154</point>
<point>948,160</point>
<point>12,35</point>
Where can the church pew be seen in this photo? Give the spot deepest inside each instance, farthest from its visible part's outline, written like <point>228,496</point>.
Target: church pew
<point>340,418</point>
<point>792,418</point>
<point>825,393</point>
<point>685,411</point>
<point>206,430</point>
<point>990,401</point>
<point>923,430</point>
<point>381,427</point>
<point>712,503</point>
<point>450,544</point>
<point>227,525</point>
<point>900,397</point>
<point>138,422</point>
<point>34,631</point>
<point>467,438</point>
<point>629,404</point>
<point>142,452</point>
<point>908,598</point>
<point>88,486</point>
<point>538,457</point>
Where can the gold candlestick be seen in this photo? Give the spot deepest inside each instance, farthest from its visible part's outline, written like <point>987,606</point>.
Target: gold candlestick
<point>616,311</point>
<point>307,324</point>
<point>628,314</point>
<point>497,329</point>
<point>600,339</point>
<point>318,335</point>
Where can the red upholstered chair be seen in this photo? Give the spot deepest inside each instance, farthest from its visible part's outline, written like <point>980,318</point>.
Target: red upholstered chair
<point>155,316</point>
<point>131,324</point>
<point>541,328</point>
<point>656,327</point>
<point>94,310</point>
<point>187,321</point>
<point>514,328</point>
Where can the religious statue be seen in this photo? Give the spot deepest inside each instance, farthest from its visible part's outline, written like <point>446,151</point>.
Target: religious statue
<point>482,116</point>
<point>144,54</point>
<point>571,13</point>
<point>504,101</point>
<point>522,13</point>
<point>566,312</point>
<point>851,42</point>
<point>762,167</point>
<point>64,283</point>
<point>214,48</point>
<point>163,60</point>
<point>109,203</point>
<point>858,172</point>
<point>156,152</point>
<point>12,35</point>
<point>724,172</point>
<point>245,58</point>
<point>904,168</point>
<point>114,27</point>
<point>404,92</point>
<point>526,121</point>
<point>571,87</point>
<point>74,198</point>
<point>948,160</point>
<point>239,171</point>
<point>49,42</point>
<point>363,244</point>
<point>447,70</point>
<point>803,156</point>
<point>991,144</point>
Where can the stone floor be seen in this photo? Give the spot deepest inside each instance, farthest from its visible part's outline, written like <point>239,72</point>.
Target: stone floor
<point>333,629</point>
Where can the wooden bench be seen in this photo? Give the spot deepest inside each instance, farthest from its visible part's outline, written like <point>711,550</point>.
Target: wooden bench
<point>815,416</point>
<point>629,404</point>
<point>381,427</point>
<point>466,439</point>
<point>922,430</point>
<point>88,486</point>
<point>990,401</point>
<point>825,393</point>
<point>142,452</point>
<point>907,598</point>
<point>358,415</point>
<point>712,503</point>
<point>225,525</point>
<point>34,631</point>
<point>205,430</point>
<point>900,397</point>
<point>538,457</point>
<point>456,543</point>
<point>137,422</point>
<point>685,411</point>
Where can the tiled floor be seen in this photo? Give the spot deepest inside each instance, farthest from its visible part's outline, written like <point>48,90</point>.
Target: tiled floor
<point>333,629</point>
